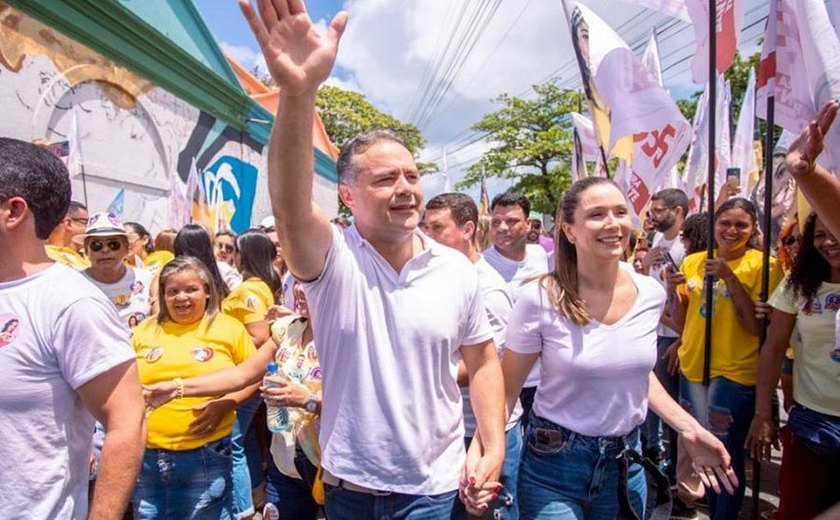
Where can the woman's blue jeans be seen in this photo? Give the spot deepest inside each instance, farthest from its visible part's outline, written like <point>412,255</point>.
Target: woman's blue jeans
<point>194,484</point>
<point>726,409</point>
<point>243,450</point>
<point>566,475</point>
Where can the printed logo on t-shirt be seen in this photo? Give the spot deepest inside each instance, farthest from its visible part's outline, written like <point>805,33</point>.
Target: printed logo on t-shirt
<point>9,328</point>
<point>121,300</point>
<point>135,318</point>
<point>812,307</point>
<point>137,287</point>
<point>251,302</point>
<point>316,374</point>
<point>832,302</point>
<point>153,354</point>
<point>202,354</point>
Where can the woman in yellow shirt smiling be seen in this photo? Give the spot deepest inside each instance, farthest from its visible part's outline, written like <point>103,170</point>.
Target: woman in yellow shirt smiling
<point>187,465</point>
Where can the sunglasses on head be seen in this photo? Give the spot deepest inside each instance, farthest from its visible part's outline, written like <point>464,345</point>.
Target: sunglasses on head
<point>113,245</point>
<point>227,248</point>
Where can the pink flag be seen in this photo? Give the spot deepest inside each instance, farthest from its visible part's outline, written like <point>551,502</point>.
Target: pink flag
<point>730,17</point>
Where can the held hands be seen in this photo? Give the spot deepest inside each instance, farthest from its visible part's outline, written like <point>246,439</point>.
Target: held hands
<point>763,436</point>
<point>287,393</point>
<point>296,55</point>
<point>710,459</point>
<point>479,484</point>
<point>804,150</point>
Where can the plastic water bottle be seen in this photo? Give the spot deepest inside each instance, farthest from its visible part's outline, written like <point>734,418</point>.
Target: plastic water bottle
<point>277,417</point>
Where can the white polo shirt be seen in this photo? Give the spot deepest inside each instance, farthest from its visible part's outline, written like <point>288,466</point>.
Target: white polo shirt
<point>388,344</point>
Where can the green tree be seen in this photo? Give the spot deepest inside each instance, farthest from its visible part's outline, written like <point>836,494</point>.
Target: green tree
<point>531,143</point>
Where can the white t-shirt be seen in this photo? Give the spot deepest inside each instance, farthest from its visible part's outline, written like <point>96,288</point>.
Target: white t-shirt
<point>515,273</point>
<point>229,274</point>
<point>498,305</point>
<point>657,271</point>
<point>594,378</point>
<point>389,345</point>
<point>58,333</point>
<point>130,295</point>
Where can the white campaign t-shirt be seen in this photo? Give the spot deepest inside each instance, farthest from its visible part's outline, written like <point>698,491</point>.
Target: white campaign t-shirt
<point>57,332</point>
<point>657,271</point>
<point>389,344</point>
<point>498,305</point>
<point>130,295</point>
<point>515,273</point>
<point>594,378</point>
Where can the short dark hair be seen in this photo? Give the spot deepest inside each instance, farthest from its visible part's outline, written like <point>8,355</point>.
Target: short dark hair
<point>695,228</point>
<point>510,198</point>
<point>344,165</point>
<point>75,208</point>
<point>673,198</point>
<point>461,206</point>
<point>38,177</point>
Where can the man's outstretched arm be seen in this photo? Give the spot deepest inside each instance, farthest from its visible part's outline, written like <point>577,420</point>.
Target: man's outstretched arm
<point>299,59</point>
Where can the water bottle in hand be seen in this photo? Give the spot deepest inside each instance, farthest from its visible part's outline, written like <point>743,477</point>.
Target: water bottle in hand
<point>277,417</point>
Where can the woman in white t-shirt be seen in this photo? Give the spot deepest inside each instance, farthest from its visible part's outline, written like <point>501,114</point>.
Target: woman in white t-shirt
<point>592,323</point>
<point>807,300</point>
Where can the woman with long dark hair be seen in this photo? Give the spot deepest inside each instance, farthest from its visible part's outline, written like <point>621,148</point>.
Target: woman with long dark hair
<point>140,243</point>
<point>808,301</point>
<point>194,240</point>
<point>726,404</point>
<point>249,302</point>
<point>592,323</point>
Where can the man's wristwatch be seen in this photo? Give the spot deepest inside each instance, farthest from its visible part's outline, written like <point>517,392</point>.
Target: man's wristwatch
<point>311,403</point>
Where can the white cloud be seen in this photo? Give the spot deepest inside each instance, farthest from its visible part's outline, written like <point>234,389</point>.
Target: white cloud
<point>241,53</point>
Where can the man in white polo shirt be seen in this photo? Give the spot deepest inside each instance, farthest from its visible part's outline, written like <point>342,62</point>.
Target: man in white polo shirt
<point>517,261</point>
<point>389,344</point>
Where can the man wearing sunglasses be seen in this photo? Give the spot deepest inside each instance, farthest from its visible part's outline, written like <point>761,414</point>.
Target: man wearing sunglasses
<point>60,246</point>
<point>106,245</point>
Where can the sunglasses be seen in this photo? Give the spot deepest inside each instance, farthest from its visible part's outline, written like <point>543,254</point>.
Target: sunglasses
<point>113,245</point>
<point>227,248</point>
<point>790,240</point>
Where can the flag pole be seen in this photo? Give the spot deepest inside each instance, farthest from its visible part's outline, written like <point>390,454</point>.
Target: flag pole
<point>710,187</point>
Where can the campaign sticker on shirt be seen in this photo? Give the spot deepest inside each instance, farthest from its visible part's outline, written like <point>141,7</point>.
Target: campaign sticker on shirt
<point>153,354</point>
<point>137,287</point>
<point>121,300</point>
<point>9,328</point>
<point>202,354</point>
<point>812,307</point>
<point>832,302</point>
<point>251,302</point>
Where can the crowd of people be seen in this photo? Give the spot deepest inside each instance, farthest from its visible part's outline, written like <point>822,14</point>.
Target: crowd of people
<point>421,361</point>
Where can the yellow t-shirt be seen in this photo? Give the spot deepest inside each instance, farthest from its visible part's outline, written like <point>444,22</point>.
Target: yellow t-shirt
<point>249,302</point>
<point>816,373</point>
<point>67,256</point>
<point>734,349</point>
<point>155,261</point>
<point>169,350</point>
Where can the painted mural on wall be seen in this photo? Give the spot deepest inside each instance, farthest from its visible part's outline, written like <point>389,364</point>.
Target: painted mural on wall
<point>131,133</point>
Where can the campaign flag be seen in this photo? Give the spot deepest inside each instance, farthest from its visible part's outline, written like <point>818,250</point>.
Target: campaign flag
<point>74,159</point>
<point>117,205</point>
<point>673,8</point>
<point>730,17</point>
<point>743,145</point>
<point>650,58</point>
<point>800,66</point>
<point>179,208</point>
<point>586,134</point>
<point>694,173</point>
<point>484,202</point>
<point>579,170</point>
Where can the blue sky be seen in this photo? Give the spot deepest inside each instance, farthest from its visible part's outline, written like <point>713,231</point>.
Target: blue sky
<point>391,47</point>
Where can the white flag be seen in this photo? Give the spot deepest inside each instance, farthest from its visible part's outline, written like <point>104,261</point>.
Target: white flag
<point>723,123</point>
<point>730,17</point>
<point>743,152</point>
<point>694,175</point>
<point>673,8</point>
<point>586,133</point>
<point>75,160</point>
<point>800,64</point>
<point>650,58</point>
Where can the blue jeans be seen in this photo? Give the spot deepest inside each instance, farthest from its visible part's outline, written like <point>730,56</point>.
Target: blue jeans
<point>293,496</point>
<point>342,504</point>
<point>191,484</point>
<point>653,427</point>
<point>726,409</point>
<point>566,475</point>
<point>506,507</point>
<point>243,505</point>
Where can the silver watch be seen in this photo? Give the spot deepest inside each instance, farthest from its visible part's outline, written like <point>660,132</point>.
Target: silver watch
<point>311,403</point>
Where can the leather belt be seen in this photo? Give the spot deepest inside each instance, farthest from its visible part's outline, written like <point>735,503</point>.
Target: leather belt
<point>331,480</point>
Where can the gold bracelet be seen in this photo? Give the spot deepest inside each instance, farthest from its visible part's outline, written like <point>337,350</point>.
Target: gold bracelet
<point>179,386</point>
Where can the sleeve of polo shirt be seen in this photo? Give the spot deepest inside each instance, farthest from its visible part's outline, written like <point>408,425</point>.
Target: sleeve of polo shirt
<point>89,340</point>
<point>477,328</point>
<point>524,334</point>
